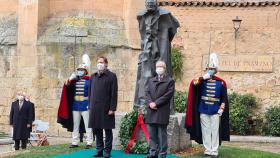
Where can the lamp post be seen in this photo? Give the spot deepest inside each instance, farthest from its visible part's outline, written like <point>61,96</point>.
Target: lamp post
<point>236,26</point>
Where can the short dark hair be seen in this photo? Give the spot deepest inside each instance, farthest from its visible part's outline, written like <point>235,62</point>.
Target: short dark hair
<point>104,58</point>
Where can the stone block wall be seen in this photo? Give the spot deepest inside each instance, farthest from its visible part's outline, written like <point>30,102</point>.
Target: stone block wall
<point>38,51</point>
<point>258,35</point>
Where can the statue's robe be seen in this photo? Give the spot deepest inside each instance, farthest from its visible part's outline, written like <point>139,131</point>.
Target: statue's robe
<point>157,31</point>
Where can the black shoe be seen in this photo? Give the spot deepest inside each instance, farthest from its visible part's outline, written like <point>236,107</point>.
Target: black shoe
<point>207,156</point>
<point>16,148</point>
<point>73,146</point>
<point>214,156</point>
<point>107,155</point>
<point>98,155</point>
<point>88,147</point>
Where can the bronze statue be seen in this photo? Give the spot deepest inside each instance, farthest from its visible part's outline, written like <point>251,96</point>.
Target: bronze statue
<point>157,28</point>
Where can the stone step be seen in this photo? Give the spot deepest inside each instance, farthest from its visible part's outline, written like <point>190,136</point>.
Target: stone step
<point>6,141</point>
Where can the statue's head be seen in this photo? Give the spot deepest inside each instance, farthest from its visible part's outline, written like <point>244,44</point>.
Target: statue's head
<point>151,5</point>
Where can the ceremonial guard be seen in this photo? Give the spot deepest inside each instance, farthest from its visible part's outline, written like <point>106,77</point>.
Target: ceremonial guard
<point>73,112</point>
<point>207,117</point>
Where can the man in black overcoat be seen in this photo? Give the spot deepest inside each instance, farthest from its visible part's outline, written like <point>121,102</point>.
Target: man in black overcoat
<point>103,94</point>
<point>159,94</point>
<point>21,117</point>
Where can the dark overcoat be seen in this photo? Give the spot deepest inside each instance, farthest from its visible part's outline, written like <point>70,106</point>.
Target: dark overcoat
<point>103,95</point>
<point>160,92</point>
<point>19,118</point>
<point>33,112</point>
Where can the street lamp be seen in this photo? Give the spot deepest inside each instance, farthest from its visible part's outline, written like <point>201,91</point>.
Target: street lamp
<point>236,26</point>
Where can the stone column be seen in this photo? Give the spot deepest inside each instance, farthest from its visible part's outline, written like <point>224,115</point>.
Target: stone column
<point>31,13</point>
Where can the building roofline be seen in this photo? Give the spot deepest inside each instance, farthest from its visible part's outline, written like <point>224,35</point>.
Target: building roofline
<point>187,3</point>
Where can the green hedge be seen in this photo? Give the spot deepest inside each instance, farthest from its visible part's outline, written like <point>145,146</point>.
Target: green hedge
<point>180,101</point>
<point>241,110</point>
<point>272,121</point>
<point>177,63</point>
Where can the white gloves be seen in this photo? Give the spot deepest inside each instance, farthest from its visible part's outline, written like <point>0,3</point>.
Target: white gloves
<point>206,76</point>
<point>220,112</point>
<point>73,76</point>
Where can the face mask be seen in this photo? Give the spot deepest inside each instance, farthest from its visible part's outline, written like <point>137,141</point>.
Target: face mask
<point>211,72</point>
<point>80,73</point>
<point>160,70</point>
<point>100,67</point>
<point>20,97</point>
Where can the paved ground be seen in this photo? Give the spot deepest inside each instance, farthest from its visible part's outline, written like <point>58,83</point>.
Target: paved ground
<point>262,143</point>
<point>270,147</point>
<point>8,150</point>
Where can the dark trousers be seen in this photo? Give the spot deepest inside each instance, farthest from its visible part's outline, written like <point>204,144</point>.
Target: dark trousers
<point>82,137</point>
<point>100,141</point>
<point>23,143</point>
<point>158,140</point>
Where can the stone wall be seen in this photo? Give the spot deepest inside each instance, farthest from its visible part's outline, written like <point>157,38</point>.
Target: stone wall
<point>42,43</point>
<point>38,51</point>
<point>259,35</point>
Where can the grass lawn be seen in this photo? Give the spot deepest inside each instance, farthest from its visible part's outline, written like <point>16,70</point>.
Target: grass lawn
<point>47,151</point>
<point>225,152</point>
<point>232,152</point>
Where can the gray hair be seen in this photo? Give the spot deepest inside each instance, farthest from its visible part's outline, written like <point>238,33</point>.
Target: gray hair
<point>161,62</point>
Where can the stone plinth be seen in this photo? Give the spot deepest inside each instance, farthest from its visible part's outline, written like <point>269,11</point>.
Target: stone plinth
<point>178,139</point>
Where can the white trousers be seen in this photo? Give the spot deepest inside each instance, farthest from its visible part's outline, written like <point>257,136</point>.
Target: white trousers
<point>210,133</point>
<point>76,120</point>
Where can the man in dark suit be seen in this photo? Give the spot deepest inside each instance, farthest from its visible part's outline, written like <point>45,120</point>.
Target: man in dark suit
<point>159,93</point>
<point>103,95</point>
<point>21,116</point>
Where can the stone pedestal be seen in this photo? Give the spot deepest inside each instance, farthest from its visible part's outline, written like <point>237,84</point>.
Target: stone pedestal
<point>178,139</point>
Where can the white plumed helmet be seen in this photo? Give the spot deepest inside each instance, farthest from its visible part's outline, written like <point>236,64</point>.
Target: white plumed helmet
<point>213,61</point>
<point>85,63</point>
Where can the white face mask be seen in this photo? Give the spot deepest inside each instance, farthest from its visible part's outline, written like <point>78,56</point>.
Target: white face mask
<point>100,67</point>
<point>160,70</point>
<point>20,97</point>
<point>80,73</point>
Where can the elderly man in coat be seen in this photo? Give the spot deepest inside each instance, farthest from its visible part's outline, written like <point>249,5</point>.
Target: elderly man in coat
<point>103,94</point>
<point>160,91</point>
<point>21,117</point>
